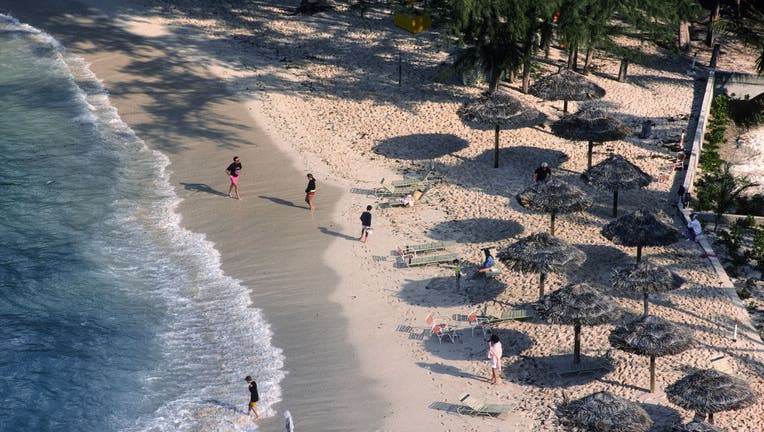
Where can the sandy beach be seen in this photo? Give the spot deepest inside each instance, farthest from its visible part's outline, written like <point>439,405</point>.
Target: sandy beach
<point>297,94</point>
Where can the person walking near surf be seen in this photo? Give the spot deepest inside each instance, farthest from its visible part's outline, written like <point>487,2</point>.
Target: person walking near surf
<point>233,171</point>
<point>253,397</point>
<point>310,191</point>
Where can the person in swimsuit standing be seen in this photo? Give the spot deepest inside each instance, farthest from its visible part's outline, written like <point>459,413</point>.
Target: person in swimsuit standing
<point>233,171</point>
<point>366,224</point>
<point>494,357</point>
<point>310,191</point>
<point>253,396</point>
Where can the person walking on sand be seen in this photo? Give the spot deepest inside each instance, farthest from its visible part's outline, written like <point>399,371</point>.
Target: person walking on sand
<point>253,397</point>
<point>310,192</point>
<point>233,171</point>
<point>288,422</point>
<point>366,224</point>
<point>542,173</point>
<point>494,357</point>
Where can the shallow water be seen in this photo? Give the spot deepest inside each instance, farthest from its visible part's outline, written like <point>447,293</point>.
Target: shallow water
<point>112,317</point>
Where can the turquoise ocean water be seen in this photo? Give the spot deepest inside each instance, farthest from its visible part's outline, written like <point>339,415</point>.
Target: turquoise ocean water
<point>112,317</point>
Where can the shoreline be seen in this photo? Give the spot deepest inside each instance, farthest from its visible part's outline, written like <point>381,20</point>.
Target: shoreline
<point>276,256</point>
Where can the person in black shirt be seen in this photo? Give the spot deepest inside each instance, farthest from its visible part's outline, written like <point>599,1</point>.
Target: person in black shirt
<point>542,173</point>
<point>366,224</point>
<point>233,171</point>
<point>253,397</point>
<point>310,191</point>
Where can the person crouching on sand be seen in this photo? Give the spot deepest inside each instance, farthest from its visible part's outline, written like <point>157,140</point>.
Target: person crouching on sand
<point>310,191</point>
<point>253,397</point>
<point>494,357</point>
<point>366,224</point>
<point>233,171</point>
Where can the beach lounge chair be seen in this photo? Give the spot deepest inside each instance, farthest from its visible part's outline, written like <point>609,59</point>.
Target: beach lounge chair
<point>389,190</point>
<point>475,406</point>
<point>427,247</point>
<point>407,201</point>
<point>442,332</point>
<point>479,322</point>
<point>435,321</point>
<point>495,314</point>
<point>430,178</point>
<point>430,259</point>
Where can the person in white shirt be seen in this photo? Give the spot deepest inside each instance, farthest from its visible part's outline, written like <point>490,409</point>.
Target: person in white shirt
<point>693,227</point>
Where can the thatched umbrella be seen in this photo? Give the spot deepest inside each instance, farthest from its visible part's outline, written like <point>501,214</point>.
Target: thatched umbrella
<point>500,110</point>
<point>591,125</point>
<point>605,412</point>
<point>640,229</point>
<point>566,85</point>
<point>698,427</point>
<point>554,196</point>
<point>577,304</point>
<point>709,391</point>
<point>651,336</point>
<point>647,278</point>
<point>616,173</point>
<point>541,253</point>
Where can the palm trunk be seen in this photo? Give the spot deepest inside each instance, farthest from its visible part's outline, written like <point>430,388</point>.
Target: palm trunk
<point>645,303</point>
<point>576,343</point>
<point>496,148</point>
<point>526,76</point>
<point>588,62</point>
<point>711,20</point>
<point>551,226</point>
<point>542,279</point>
<point>615,203</point>
<point>652,374</point>
<point>684,35</point>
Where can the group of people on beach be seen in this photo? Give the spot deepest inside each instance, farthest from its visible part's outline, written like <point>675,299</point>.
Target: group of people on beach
<point>234,169</point>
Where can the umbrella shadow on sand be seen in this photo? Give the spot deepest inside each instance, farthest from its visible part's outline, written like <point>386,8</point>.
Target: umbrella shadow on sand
<point>595,256</point>
<point>663,417</point>
<point>420,146</point>
<point>548,371</point>
<point>477,230</point>
<point>442,291</point>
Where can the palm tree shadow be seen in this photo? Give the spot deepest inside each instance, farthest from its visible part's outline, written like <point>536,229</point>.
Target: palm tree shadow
<point>202,187</point>
<point>281,201</point>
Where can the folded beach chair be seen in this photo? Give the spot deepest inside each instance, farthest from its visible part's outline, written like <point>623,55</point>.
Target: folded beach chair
<point>430,259</point>
<point>475,406</point>
<point>406,201</point>
<point>388,190</point>
<point>430,178</point>
<point>427,247</point>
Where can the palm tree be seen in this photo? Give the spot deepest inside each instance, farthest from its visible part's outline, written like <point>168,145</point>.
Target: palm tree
<point>720,189</point>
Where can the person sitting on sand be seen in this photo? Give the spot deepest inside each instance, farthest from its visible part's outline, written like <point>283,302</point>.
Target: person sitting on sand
<point>487,264</point>
<point>542,173</point>
<point>693,228</point>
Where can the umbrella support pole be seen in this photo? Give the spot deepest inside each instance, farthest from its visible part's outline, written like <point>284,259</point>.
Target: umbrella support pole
<point>615,203</point>
<point>652,374</point>
<point>576,343</point>
<point>645,301</point>
<point>542,279</point>
<point>551,226</point>
<point>496,148</point>
<point>589,155</point>
<point>639,253</point>
<point>565,106</point>
<point>710,418</point>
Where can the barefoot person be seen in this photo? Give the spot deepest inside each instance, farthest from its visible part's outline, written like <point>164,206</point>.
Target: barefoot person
<point>310,191</point>
<point>366,224</point>
<point>253,397</point>
<point>494,357</point>
<point>233,171</point>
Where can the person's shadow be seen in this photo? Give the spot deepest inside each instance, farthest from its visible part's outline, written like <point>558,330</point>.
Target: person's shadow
<point>282,202</point>
<point>201,187</point>
<point>336,234</point>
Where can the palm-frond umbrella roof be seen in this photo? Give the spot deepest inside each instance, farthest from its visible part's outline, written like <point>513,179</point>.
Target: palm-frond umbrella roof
<point>591,125</point>
<point>640,228</point>
<point>710,391</point>
<point>605,412</point>
<point>554,196</point>
<point>697,426</point>
<point>499,109</point>
<point>577,304</point>
<point>651,336</point>
<point>616,173</point>
<point>541,253</point>
<point>566,85</point>
<point>646,277</point>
